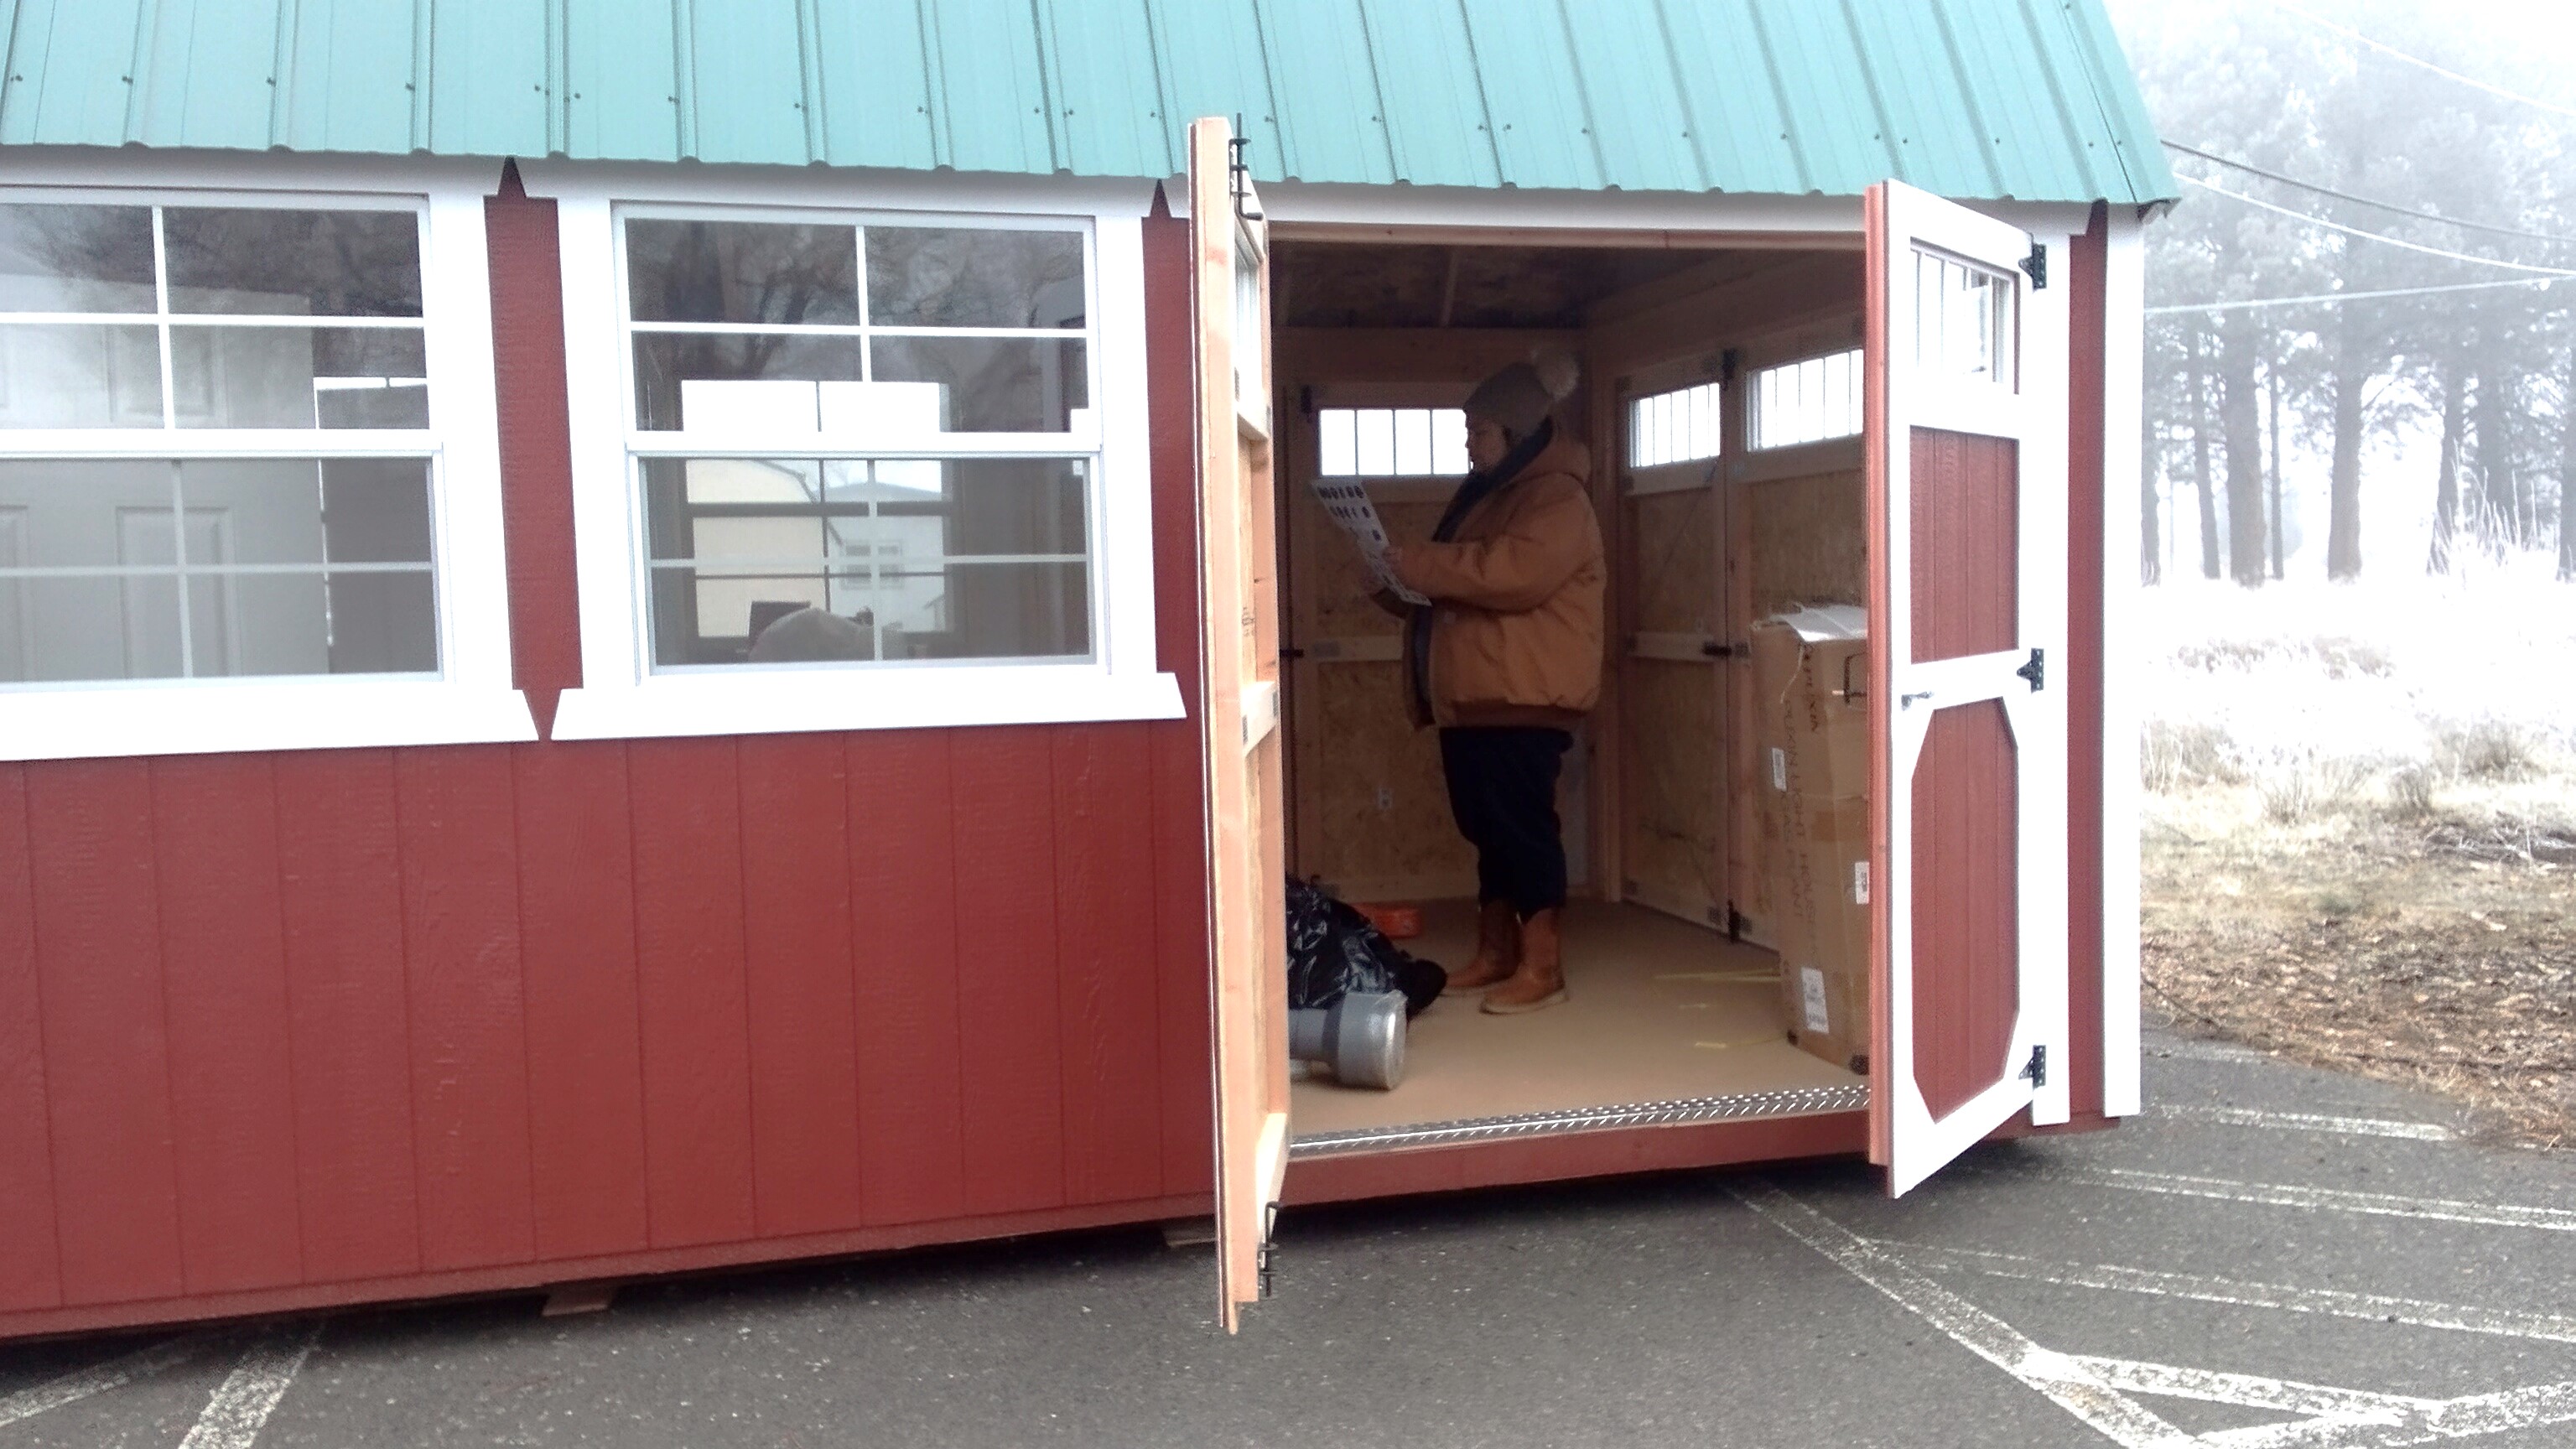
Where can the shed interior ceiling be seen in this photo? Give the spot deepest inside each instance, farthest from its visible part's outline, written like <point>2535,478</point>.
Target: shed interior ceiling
<point>1398,284</point>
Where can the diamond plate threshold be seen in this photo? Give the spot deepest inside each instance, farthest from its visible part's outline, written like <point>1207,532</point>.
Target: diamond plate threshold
<point>1799,1102</point>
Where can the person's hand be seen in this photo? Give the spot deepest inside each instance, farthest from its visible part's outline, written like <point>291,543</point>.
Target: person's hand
<point>1394,556</point>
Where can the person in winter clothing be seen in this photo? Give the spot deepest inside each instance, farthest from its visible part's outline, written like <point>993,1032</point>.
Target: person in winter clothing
<point>1506,661</point>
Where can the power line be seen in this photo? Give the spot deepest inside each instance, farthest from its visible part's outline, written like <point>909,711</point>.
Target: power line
<point>2376,236</point>
<point>2323,298</point>
<point>2368,201</point>
<point>2357,38</point>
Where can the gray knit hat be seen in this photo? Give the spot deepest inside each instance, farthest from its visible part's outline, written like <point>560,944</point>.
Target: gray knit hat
<point>1522,395</point>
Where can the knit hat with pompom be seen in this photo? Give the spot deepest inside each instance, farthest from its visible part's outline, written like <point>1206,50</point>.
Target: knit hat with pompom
<point>1522,395</point>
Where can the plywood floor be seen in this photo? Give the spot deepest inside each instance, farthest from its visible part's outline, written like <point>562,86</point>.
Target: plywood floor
<point>1657,1009</point>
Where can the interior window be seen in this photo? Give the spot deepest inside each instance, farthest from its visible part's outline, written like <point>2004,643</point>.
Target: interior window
<point>1392,442</point>
<point>1673,427</point>
<point>136,542</point>
<point>1807,401</point>
<point>862,443</point>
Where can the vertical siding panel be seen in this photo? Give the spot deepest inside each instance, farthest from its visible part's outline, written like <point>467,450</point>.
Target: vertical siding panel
<point>904,903</point>
<point>796,955</point>
<point>2088,575</point>
<point>30,1268</point>
<point>1183,1014</point>
<point>342,886</point>
<point>469,1054</point>
<point>1104,890</point>
<point>223,936</point>
<point>688,939</point>
<point>585,1054</point>
<point>1006,970</point>
<point>107,1080</point>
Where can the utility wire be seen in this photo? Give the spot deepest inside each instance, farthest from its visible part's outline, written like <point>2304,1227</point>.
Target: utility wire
<point>2376,236</point>
<point>2323,298</point>
<point>2368,201</point>
<point>2357,38</point>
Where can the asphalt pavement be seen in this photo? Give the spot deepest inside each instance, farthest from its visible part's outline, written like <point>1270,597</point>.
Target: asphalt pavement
<point>2273,1256</point>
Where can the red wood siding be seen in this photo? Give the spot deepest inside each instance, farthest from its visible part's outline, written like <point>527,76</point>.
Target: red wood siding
<point>1966,511</point>
<point>341,1026</point>
<point>2087,575</point>
<point>1967,853</point>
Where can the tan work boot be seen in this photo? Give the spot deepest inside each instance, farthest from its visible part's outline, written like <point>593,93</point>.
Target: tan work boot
<point>1498,949</point>
<point>1540,981</point>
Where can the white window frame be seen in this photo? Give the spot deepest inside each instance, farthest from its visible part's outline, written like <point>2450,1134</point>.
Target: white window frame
<point>622,696</point>
<point>472,698</point>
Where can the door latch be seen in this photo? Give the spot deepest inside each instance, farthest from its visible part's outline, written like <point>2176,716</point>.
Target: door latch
<point>1262,1259</point>
<point>1239,172</point>
<point>2036,1073</point>
<point>2036,671</point>
<point>1908,701</point>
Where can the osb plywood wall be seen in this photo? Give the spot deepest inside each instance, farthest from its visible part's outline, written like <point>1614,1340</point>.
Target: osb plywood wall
<point>1674,543</point>
<point>1808,543</point>
<point>1376,809</point>
<point>1671,855</point>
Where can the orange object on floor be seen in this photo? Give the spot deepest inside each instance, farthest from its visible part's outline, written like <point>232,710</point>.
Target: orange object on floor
<point>1400,923</point>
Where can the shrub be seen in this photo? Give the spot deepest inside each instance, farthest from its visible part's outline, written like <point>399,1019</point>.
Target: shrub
<point>2485,749</point>
<point>2410,792</point>
<point>2301,787</point>
<point>2173,755</point>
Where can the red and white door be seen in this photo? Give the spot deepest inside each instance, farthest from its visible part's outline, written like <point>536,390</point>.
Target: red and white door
<point>1966,365</point>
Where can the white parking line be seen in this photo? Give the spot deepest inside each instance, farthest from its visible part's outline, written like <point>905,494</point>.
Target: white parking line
<point>2252,1391</point>
<point>2311,1122</point>
<point>2377,1308</point>
<point>2327,1199</point>
<point>98,1378</point>
<point>241,1406</point>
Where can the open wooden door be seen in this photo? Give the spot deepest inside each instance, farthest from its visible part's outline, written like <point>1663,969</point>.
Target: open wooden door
<point>1239,662</point>
<point>1966,444</point>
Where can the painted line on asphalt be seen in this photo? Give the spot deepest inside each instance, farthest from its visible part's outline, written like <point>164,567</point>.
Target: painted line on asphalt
<point>2319,1199</point>
<point>2374,1307</point>
<point>2310,1122</point>
<point>98,1378</point>
<point>2538,1407</point>
<point>2252,1391</point>
<point>2205,1051</point>
<point>2058,1377</point>
<point>250,1393</point>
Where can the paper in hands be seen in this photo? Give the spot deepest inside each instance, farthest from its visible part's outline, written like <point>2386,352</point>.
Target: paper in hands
<point>1348,503</point>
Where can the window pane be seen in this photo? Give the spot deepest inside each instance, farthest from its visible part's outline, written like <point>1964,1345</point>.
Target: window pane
<point>991,384</point>
<point>1807,401</point>
<point>922,558</point>
<point>75,258</point>
<point>245,261</point>
<point>736,271</point>
<point>922,276</point>
<point>298,377</point>
<point>1337,436</point>
<point>92,627</point>
<point>297,511</point>
<point>765,381</point>
<point>78,376</point>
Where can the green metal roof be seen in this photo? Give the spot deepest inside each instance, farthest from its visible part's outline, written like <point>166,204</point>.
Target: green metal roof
<point>1975,99</point>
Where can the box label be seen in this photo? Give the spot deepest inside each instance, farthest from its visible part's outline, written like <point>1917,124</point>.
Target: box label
<point>1811,989</point>
<point>1779,768</point>
<point>1860,882</point>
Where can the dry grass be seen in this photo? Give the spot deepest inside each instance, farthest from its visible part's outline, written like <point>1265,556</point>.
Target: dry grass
<point>2429,940</point>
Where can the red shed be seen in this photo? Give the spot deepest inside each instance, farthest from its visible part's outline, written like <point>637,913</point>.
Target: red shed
<point>429,864</point>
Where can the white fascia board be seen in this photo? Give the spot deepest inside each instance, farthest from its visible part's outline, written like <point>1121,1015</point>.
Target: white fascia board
<point>2123,342</point>
<point>1350,204</point>
<point>264,172</point>
<point>837,188</point>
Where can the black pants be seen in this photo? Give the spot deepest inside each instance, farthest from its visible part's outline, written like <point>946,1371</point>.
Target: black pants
<point>1502,791</point>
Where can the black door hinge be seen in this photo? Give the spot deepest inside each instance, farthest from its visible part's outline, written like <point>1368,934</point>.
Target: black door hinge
<point>2037,265</point>
<point>2036,671</point>
<point>1727,362</point>
<point>1736,921</point>
<point>1239,171</point>
<point>1712,649</point>
<point>2037,1072</point>
<point>1306,401</point>
<point>1262,1260</point>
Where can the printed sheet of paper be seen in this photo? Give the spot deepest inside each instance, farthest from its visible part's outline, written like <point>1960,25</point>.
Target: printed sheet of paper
<point>1348,503</point>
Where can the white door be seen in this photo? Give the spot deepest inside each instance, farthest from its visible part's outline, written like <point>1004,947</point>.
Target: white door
<point>1239,665</point>
<point>1966,437</point>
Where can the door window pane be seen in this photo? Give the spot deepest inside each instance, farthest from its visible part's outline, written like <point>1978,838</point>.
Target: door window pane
<point>261,261</point>
<point>920,276</point>
<point>75,258</point>
<point>1962,319</point>
<point>732,271</point>
<point>1680,426</point>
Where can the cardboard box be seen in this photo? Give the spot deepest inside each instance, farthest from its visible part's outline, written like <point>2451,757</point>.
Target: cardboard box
<point>1810,677</point>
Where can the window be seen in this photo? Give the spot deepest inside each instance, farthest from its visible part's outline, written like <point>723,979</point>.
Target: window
<point>1963,320</point>
<point>869,471</point>
<point>224,468</point>
<point>1680,426</point>
<point>1808,401</point>
<point>1392,442</point>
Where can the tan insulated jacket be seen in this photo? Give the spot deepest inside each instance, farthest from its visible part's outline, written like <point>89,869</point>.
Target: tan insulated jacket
<point>1516,601</point>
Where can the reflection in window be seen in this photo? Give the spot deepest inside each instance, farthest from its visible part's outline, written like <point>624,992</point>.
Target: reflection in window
<point>1680,426</point>
<point>1962,319</point>
<point>981,558</point>
<point>199,568</point>
<point>1807,401</point>
<point>1391,442</point>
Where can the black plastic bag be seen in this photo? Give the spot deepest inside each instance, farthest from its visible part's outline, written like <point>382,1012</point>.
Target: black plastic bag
<point>1333,950</point>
